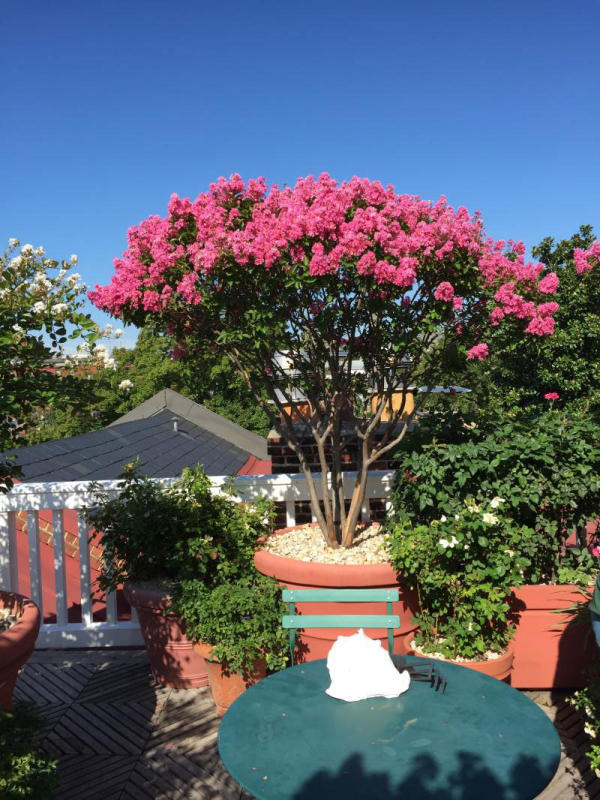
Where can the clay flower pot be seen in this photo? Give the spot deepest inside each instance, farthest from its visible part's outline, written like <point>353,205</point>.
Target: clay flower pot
<point>316,643</point>
<point>499,668</point>
<point>227,686</point>
<point>551,652</point>
<point>17,643</point>
<point>174,661</point>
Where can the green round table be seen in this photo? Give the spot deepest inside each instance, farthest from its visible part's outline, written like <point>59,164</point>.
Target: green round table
<point>285,738</point>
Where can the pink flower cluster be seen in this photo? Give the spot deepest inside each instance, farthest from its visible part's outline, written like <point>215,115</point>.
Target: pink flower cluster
<point>585,260</point>
<point>392,242</point>
<point>551,396</point>
<point>479,351</point>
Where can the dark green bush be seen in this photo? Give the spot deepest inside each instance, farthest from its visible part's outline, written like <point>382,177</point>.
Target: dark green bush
<point>242,619</point>
<point>24,771</point>
<point>184,531</point>
<point>546,470</point>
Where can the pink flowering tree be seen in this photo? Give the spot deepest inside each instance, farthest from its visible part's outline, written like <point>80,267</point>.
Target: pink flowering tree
<point>329,298</point>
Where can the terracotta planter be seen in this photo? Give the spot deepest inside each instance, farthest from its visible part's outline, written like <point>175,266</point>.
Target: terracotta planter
<point>499,668</point>
<point>316,643</point>
<point>227,686</point>
<point>551,652</point>
<point>174,661</point>
<point>17,643</point>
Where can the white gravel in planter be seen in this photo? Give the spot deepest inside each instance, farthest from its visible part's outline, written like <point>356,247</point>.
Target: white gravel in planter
<point>307,544</point>
<point>7,619</point>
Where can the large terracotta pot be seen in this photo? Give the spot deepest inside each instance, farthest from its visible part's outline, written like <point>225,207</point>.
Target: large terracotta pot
<point>17,643</point>
<point>227,686</point>
<point>316,643</point>
<point>551,652</point>
<point>174,661</point>
<point>499,668</point>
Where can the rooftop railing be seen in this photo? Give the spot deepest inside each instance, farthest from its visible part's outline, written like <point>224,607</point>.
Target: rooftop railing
<point>45,550</point>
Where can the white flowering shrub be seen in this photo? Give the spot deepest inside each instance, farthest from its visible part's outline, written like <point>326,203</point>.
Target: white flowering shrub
<point>41,308</point>
<point>463,566</point>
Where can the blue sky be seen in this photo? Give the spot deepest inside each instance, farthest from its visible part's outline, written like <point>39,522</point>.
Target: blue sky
<point>109,107</point>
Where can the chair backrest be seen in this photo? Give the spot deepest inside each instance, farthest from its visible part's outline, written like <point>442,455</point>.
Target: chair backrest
<point>294,621</point>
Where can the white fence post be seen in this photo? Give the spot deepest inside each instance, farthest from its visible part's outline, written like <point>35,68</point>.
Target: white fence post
<point>60,568</point>
<point>9,564</point>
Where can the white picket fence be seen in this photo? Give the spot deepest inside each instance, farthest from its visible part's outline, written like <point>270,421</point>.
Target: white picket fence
<point>33,498</point>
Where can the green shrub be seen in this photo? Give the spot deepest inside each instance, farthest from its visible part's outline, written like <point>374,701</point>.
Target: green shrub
<point>242,619</point>
<point>24,771</point>
<point>547,470</point>
<point>155,533</point>
<point>463,567</point>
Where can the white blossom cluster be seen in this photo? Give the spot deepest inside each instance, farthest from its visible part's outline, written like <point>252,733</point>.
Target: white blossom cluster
<point>487,517</point>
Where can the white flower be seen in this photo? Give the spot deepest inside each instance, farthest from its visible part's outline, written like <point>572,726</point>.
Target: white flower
<point>13,242</point>
<point>118,333</point>
<point>74,259</point>
<point>457,516</point>
<point>41,280</point>
<point>16,262</point>
<point>108,329</point>
<point>126,385</point>
<point>73,277</point>
<point>490,519</point>
<point>60,308</point>
<point>474,509</point>
<point>443,518</point>
<point>39,307</point>
<point>589,730</point>
<point>101,349</point>
<point>39,251</point>
<point>27,249</point>
<point>448,543</point>
<point>17,328</point>
<point>496,502</point>
<point>110,363</point>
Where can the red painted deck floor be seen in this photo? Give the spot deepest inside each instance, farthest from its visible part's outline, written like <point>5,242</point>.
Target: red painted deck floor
<point>118,736</point>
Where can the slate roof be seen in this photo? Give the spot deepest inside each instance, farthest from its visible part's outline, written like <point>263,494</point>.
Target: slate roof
<point>200,437</point>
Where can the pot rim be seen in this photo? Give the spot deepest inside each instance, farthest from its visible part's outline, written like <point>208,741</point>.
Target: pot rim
<point>19,638</point>
<point>504,656</point>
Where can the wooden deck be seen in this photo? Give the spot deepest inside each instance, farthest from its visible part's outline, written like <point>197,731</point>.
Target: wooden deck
<point>117,736</point>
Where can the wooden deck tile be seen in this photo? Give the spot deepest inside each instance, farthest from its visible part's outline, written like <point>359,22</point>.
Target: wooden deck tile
<point>119,736</point>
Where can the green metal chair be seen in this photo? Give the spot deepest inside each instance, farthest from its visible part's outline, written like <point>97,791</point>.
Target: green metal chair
<point>293,621</point>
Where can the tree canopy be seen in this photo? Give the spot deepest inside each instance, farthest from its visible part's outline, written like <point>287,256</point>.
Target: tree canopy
<point>297,286</point>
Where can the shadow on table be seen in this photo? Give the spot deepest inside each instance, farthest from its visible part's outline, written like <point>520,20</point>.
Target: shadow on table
<point>471,780</point>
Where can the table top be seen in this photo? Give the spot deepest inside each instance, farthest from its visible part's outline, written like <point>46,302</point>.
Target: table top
<point>285,738</point>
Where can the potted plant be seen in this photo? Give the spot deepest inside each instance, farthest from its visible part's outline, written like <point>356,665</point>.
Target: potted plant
<point>154,536</point>
<point>463,568</point>
<point>547,470</point>
<point>19,627</point>
<point>237,627</point>
<point>333,301</point>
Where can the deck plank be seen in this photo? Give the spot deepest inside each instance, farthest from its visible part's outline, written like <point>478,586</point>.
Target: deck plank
<point>116,734</point>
